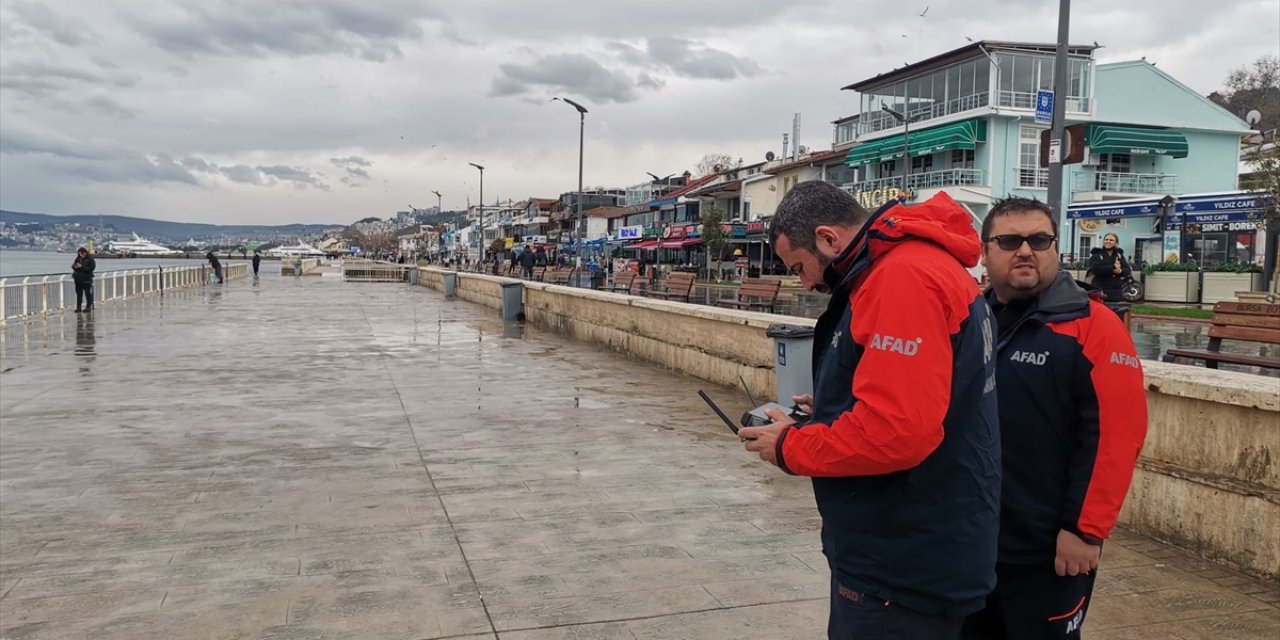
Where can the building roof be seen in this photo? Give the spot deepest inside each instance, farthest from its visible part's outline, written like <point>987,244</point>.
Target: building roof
<point>968,51</point>
<point>807,159</point>
<point>544,203</point>
<point>718,187</point>
<point>606,211</point>
<point>692,186</point>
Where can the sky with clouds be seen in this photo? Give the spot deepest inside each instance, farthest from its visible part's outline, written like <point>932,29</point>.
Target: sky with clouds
<point>239,111</point>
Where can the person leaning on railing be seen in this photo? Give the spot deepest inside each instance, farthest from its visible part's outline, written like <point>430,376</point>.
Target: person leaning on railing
<point>82,274</point>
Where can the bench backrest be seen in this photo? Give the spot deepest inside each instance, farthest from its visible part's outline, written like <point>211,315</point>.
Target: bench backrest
<point>625,280</point>
<point>539,273</point>
<point>759,288</point>
<point>680,283</point>
<point>1246,321</point>
<point>562,275</point>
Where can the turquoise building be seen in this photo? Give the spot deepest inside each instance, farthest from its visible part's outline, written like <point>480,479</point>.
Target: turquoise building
<point>965,123</point>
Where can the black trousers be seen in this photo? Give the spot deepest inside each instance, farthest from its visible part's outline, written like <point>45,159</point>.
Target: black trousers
<point>855,616</point>
<point>84,290</point>
<point>1032,602</point>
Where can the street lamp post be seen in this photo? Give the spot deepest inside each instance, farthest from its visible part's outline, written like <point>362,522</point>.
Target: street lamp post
<point>906,143</point>
<point>577,220</point>
<point>439,207</point>
<point>481,209</point>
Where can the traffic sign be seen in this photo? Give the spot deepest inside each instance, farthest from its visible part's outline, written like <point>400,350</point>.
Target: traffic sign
<point>1044,107</point>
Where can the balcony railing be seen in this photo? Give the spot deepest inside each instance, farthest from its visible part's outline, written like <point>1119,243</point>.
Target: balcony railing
<point>1033,178</point>
<point>1022,100</point>
<point>1125,182</point>
<point>915,181</point>
<point>879,121</point>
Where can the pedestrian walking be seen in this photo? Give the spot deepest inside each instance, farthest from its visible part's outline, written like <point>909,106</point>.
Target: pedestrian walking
<point>527,262</point>
<point>257,261</point>
<point>1107,268</point>
<point>82,275</point>
<point>1073,415</point>
<point>902,443</point>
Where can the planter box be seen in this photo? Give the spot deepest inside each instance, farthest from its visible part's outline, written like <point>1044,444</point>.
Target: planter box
<point>1172,286</point>
<point>1223,286</point>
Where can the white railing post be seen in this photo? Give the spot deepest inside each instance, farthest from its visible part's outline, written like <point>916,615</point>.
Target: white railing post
<point>25,281</point>
<point>4,296</point>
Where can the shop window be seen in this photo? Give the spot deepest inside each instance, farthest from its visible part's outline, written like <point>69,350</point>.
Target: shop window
<point>888,168</point>
<point>1115,163</point>
<point>1086,246</point>
<point>962,159</point>
<point>922,164</point>
<point>1117,223</point>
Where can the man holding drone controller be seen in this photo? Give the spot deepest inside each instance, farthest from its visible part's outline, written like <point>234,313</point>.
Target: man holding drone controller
<point>903,445</point>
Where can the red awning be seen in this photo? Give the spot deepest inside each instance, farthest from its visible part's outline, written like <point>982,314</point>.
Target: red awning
<point>648,245</point>
<point>680,244</point>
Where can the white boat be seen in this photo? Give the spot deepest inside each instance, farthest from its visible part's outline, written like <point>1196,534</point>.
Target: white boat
<point>300,250</point>
<point>138,247</point>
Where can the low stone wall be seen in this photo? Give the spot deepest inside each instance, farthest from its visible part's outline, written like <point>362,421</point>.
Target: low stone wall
<point>1208,479</point>
<point>1209,476</point>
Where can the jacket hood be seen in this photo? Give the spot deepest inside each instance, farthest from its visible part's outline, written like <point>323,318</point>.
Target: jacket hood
<point>1064,297</point>
<point>939,220</point>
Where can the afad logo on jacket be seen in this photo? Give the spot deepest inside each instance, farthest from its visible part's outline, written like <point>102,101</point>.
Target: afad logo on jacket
<point>905,346</point>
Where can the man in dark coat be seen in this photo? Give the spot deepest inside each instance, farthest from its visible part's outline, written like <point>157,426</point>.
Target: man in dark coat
<point>526,261</point>
<point>257,260</point>
<point>82,274</point>
<point>217,266</point>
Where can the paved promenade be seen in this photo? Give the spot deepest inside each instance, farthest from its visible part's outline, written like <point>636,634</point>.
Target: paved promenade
<point>307,459</point>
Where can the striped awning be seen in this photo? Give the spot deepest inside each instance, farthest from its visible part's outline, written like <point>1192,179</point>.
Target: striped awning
<point>926,142</point>
<point>1106,138</point>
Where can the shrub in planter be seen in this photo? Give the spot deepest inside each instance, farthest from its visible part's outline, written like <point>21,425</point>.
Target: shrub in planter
<point>1235,267</point>
<point>1190,265</point>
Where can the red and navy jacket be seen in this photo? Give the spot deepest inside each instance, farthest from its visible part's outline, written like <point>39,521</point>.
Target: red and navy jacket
<point>1073,415</point>
<point>903,447</point>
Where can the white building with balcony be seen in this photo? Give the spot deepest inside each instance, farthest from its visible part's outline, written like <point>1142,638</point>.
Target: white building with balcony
<point>970,130</point>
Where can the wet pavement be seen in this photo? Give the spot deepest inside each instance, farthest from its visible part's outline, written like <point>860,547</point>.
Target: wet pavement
<point>306,458</point>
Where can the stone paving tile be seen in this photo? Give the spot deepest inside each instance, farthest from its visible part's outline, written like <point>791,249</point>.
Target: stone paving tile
<point>308,459</point>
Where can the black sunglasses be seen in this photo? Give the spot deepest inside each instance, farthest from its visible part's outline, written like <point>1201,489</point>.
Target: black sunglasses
<point>1038,242</point>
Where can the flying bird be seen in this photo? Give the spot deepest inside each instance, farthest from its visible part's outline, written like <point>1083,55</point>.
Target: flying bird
<point>904,35</point>
<point>926,10</point>
<point>968,38</point>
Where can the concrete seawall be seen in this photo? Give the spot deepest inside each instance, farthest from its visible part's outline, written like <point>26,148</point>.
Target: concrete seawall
<point>1208,479</point>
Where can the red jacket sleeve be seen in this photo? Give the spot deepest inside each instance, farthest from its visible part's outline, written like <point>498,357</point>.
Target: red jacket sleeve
<point>901,387</point>
<point>1112,407</point>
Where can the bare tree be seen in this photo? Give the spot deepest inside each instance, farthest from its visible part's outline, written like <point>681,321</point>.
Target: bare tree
<point>713,163</point>
<point>1256,86</point>
<point>713,235</point>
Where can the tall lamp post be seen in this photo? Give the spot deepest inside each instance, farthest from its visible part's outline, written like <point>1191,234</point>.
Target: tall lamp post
<point>906,143</point>
<point>481,209</point>
<point>439,209</point>
<point>577,220</point>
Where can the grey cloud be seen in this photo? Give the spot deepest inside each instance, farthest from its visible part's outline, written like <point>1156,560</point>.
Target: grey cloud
<point>572,73</point>
<point>372,31</point>
<point>244,174</point>
<point>40,79</point>
<point>298,176</point>
<point>351,160</point>
<point>107,106</point>
<point>39,18</point>
<point>94,161</point>
<point>694,60</point>
<point>357,172</point>
<point>646,81</point>
<point>199,164</point>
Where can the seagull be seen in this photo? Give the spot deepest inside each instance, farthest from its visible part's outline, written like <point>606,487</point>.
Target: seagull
<point>968,38</point>
<point>926,10</point>
<point>904,35</point>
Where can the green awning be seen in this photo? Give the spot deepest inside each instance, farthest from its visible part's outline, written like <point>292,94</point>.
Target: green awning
<point>959,135</point>
<point>1105,138</point>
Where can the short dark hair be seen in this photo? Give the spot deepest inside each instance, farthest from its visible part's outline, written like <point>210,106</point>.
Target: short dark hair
<point>810,205</point>
<point>1014,204</point>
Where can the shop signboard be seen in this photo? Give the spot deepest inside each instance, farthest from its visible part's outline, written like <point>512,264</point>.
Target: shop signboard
<point>631,233</point>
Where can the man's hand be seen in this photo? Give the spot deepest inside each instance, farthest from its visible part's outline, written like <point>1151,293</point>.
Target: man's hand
<point>764,439</point>
<point>1075,556</point>
<point>805,402</point>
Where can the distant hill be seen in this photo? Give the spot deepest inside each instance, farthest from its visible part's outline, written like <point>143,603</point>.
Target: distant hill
<point>162,231</point>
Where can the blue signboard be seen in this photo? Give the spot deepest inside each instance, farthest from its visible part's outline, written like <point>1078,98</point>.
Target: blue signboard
<point>1205,208</point>
<point>1044,107</point>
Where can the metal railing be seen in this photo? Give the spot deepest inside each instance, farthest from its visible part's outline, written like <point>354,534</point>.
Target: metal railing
<point>1033,177</point>
<point>928,180</point>
<point>357,270</point>
<point>26,296</point>
<point>307,266</point>
<point>1125,182</point>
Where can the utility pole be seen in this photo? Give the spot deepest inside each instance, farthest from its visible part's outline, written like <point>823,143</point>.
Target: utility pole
<point>577,219</point>
<point>439,207</point>
<point>1058,126</point>
<point>906,142</point>
<point>481,209</point>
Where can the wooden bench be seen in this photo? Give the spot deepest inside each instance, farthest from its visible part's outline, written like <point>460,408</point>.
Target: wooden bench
<point>755,293</point>
<point>1244,321</point>
<point>561,275</point>
<point>539,273</point>
<point>679,286</point>
<point>625,282</point>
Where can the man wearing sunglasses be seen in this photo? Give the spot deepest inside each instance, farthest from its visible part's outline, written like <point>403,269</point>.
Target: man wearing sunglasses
<point>903,445</point>
<point>1073,416</point>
